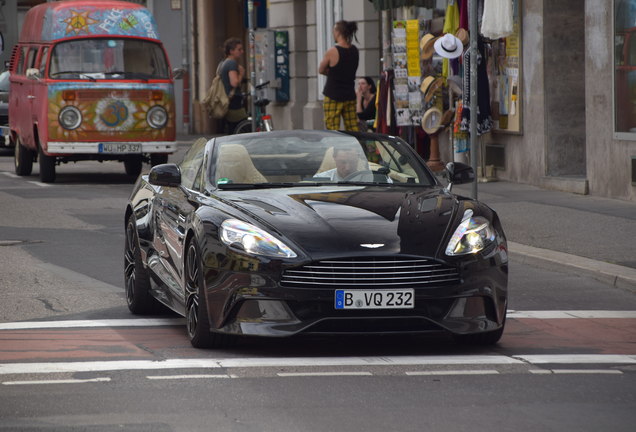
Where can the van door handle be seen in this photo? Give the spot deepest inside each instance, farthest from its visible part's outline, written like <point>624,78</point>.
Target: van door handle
<point>30,97</point>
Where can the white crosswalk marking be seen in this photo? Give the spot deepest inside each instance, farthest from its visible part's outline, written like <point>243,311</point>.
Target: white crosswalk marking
<point>150,322</point>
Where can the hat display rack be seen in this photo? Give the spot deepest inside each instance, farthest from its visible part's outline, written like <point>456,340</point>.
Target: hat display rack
<point>434,121</point>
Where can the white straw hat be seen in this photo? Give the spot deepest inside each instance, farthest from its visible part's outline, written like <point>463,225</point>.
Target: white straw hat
<point>449,46</point>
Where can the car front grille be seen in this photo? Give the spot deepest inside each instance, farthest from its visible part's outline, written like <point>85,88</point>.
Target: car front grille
<point>377,272</point>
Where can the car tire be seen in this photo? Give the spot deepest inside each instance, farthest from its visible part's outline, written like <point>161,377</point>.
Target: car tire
<point>47,167</point>
<point>136,278</point>
<point>158,159</point>
<point>197,317</point>
<point>132,165</point>
<point>23,159</point>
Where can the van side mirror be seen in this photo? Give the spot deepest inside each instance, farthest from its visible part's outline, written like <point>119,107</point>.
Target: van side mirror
<point>178,73</point>
<point>33,73</point>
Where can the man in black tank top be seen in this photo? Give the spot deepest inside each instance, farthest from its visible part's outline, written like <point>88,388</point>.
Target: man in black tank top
<point>340,65</point>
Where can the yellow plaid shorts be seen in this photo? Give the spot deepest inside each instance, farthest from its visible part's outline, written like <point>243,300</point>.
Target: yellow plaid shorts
<point>335,109</point>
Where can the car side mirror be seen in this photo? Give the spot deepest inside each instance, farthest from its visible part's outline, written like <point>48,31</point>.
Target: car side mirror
<point>33,74</point>
<point>178,73</point>
<point>165,175</point>
<point>459,173</point>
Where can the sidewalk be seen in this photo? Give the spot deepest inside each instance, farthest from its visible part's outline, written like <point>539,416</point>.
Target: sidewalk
<point>559,230</point>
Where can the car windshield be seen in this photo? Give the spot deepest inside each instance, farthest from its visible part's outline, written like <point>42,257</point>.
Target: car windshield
<point>92,59</point>
<point>302,158</point>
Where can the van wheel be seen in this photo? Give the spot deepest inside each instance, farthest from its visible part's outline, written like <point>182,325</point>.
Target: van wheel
<point>23,159</point>
<point>47,167</point>
<point>132,165</point>
<point>158,159</point>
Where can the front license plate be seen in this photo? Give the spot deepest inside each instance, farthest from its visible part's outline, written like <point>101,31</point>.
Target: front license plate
<point>119,148</point>
<point>375,299</point>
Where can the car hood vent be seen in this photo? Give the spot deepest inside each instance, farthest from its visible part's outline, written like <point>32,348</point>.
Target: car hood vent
<point>376,272</point>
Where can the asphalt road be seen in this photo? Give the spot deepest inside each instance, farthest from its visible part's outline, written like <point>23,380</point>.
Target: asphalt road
<point>72,358</point>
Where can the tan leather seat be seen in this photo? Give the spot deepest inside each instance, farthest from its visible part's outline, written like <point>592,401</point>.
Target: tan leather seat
<point>235,164</point>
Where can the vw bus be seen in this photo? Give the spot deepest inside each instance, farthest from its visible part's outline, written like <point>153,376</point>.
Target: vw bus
<point>90,80</point>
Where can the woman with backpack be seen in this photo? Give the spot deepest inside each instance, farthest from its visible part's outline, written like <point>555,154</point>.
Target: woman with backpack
<point>232,74</point>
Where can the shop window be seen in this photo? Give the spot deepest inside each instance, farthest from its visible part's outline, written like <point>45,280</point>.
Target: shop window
<point>625,69</point>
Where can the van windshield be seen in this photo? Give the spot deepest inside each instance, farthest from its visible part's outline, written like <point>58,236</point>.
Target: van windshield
<point>91,59</point>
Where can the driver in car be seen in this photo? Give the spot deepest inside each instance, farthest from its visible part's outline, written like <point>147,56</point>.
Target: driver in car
<point>350,166</point>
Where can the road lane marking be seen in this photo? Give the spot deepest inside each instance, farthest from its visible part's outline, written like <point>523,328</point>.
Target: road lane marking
<point>575,371</point>
<point>62,381</point>
<point>586,314</point>
<point>153,322</point>
<point>197,376</point>
<point>45,185</point>
<point>577,358</point>
<point>322,374</point>
<point>100,366</point>
<point>8,174</point>
<point>453,372</point>
<point>133,322</point>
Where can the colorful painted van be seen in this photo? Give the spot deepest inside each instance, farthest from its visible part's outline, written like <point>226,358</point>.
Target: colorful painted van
<point>90,80</point>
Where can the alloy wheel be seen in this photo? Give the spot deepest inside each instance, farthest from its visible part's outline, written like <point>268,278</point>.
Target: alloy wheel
<point>192,290</point>
<point>130,253</point>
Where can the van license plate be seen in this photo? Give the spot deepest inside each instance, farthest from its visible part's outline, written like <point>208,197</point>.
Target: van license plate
<point>375,299</point>
<point>119,148</point>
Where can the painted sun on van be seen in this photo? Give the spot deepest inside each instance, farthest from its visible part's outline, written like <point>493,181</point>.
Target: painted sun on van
<point>90,80</point>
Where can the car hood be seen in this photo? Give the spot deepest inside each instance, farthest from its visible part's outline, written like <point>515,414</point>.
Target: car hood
<point>352,220</point>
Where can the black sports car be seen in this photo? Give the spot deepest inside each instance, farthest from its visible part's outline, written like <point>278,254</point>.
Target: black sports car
<point>288,232</point>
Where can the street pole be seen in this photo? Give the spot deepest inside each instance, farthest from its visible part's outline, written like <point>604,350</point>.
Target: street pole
<point>252,61</point>
<point>185,50</point>
<point>474,52</point>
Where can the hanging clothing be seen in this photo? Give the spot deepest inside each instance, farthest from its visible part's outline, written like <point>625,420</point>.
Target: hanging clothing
<point>484,115</point>
<point>385,119</point>
<point>497,19</point>
<point>451,24</point>
<point>463,14</point>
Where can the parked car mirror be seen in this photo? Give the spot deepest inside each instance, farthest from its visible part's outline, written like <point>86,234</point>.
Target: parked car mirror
<point>178,73</point>
<point>165,175</point>
<point>33,73</point>
<point>459,173</point>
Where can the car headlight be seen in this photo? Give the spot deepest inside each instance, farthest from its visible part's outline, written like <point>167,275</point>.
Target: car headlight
<point>253,240</point>
<point>157,117</point>
<point>471,236</point>
<point>70,117</point>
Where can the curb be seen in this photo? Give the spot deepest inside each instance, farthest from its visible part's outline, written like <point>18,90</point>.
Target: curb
<point>612,274</point>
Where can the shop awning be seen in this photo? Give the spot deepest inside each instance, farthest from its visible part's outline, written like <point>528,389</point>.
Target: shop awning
<point>391,4</point>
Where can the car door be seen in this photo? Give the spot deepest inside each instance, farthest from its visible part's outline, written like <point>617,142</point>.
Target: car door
<point>21,97</point>
<point>175,207</point>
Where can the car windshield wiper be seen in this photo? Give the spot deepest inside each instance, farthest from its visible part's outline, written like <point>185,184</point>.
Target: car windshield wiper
<point>236,186</point>
<point>254,185</point>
